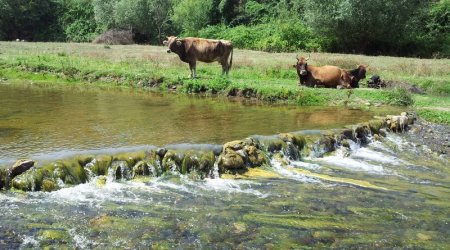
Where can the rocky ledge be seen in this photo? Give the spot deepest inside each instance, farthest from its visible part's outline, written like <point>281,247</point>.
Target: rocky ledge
<point>232,158</point>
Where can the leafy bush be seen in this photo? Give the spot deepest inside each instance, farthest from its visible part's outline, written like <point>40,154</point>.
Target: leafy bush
<point>115,37</point>
<point>274,36</point>
<point>78,21</point>
<point>399,96</point>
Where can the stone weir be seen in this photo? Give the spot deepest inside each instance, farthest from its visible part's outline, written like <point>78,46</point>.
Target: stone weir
<point>233,157</point>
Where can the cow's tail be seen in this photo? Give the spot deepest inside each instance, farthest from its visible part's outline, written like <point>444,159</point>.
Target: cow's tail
<point>231,57</point>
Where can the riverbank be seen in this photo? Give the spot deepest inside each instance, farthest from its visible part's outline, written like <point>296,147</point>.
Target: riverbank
<point>254,75</point>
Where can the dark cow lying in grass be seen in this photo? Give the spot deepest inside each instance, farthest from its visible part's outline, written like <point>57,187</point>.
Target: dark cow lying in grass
<point>324,76</point>
<point>191,49</point>
<point>357,74</point>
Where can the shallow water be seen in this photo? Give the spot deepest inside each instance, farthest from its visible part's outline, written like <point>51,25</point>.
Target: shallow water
<point>49,122</point>
<point>385,195</point>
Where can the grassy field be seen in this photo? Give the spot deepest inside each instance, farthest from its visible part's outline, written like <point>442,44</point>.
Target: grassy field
<point>256,75</point>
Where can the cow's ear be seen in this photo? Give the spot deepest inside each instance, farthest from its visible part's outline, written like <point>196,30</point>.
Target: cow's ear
<point>295,65</point>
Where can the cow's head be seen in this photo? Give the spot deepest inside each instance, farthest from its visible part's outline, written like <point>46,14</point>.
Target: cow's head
<point>173,43</point>
<point>362,71</point>
<point>302,65</point>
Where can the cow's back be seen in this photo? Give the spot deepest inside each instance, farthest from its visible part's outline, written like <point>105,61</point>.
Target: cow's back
<point>328,74</point>
<point>207,50</point>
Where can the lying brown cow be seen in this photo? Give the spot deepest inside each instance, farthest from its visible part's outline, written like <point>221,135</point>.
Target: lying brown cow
<point>325,76</point>
<point>191,49</point>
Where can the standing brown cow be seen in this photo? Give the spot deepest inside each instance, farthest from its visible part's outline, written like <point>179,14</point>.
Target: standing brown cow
<point>191,49</point>
<point>325,76</point>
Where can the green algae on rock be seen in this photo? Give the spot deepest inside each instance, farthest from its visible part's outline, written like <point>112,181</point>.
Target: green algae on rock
<point>235,157</point>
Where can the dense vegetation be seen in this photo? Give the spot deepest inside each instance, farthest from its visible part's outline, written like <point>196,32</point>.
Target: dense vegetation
<point>390,27</point>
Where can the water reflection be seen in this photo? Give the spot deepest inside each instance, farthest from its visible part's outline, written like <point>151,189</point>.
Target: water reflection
<point>37,120</point>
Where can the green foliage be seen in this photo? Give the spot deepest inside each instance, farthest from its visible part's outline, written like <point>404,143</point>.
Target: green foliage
<point>192,15</point>
<point>29,20</point>
<point>399,96</point>
<point>78,21</point>
<point>435,116</point>
<point>275,36</point>
<point>393,27</point>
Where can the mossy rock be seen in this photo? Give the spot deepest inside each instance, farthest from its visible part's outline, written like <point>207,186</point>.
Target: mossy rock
<point>154,162</point>
<point>291,151</point>
<point>206,162</point>
<point>325,145</point>
<point>233,146</point>
<point>230,160</point>
<point>348,133</point>
<point>255,157</point>
<point>49,185</point>
<point>20,167</point>
<point>83,160</point>
<point>32,179</point>
<point>101,164</point>
<point>362,132</point>
<point>23,182</point>
<point>70,172</point>
<point>52,236</point>
<point>172,161</point>
<point>130,158</point>
<point>276,145</point>
<point>190,162</point>
<point>120,170</point>
<point>3,178</point>
<point>376,125</point>
<point>140,169</point>
<point>297,140</point>
<point>101,181</point>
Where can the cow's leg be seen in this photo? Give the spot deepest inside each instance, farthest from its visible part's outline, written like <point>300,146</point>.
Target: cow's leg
<point>192,66</point>
<point>225,68</point>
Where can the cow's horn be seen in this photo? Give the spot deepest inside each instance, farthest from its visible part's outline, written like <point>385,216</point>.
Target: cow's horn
<point>296,57</point>
<point>308,57</point>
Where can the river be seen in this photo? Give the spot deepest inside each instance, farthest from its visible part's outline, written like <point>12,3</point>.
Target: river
<point>386,194</point>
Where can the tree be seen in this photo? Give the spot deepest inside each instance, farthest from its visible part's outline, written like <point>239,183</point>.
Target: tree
<point>192,15</point>
<point>104,14</point>
<point>78,20</point>
<point>29,20</point>
<point>160,11</point>
<point>361,26</point>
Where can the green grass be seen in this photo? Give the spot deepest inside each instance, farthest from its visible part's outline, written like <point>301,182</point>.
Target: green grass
<point>437,116</point>
<point>259,75</point>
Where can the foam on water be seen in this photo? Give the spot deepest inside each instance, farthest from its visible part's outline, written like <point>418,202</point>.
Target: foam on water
<point>368,154</point>
<point>81,242</point>
<point>94,195</point>
<point>29,242</point>
<point>231,186</point>
<point>209,184</point>
<point>353,164</point>
<point>278,167</point>
<point>305,165</point>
